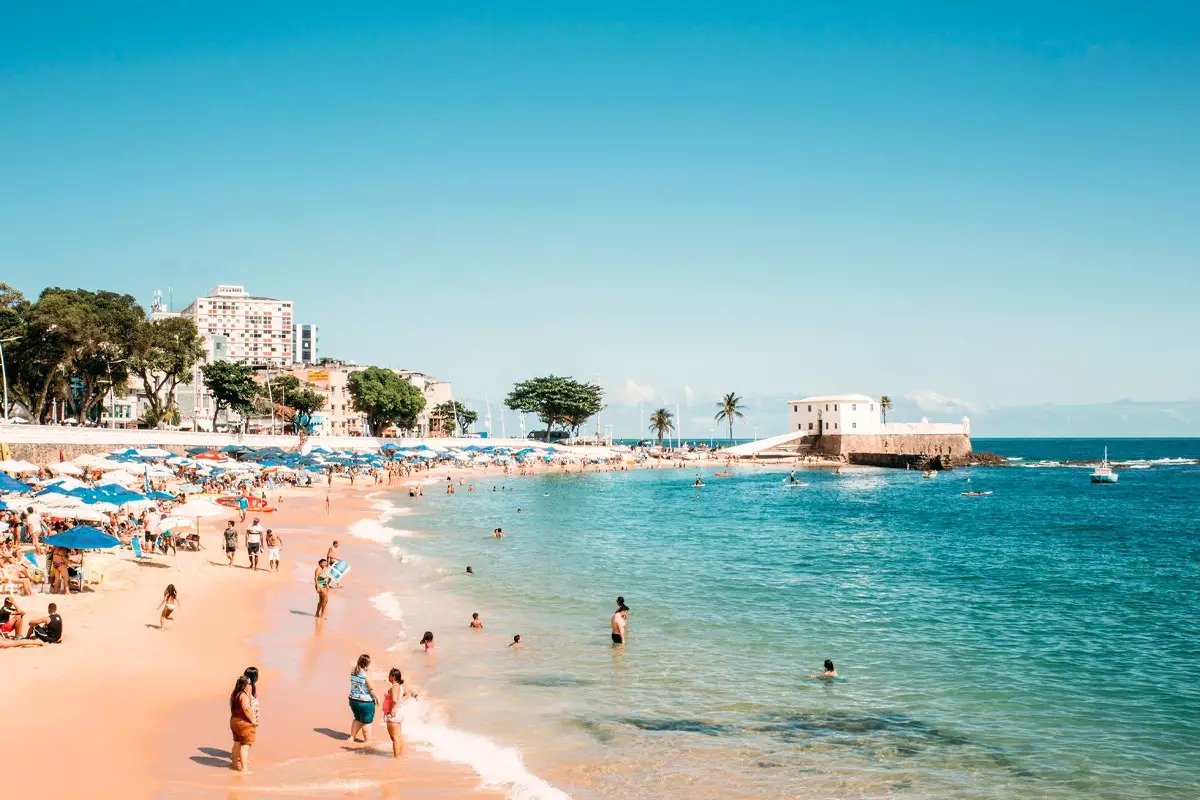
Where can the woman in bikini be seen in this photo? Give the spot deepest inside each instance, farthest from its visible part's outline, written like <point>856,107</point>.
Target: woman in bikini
<point>397,691</point>
<point>321,584</point>
<point>242,723</point>
<point>168,605</point>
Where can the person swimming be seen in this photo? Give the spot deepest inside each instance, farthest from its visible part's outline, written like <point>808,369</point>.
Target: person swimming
<point>427,641</point>
<point>516,642</point>
<point>830,671</point>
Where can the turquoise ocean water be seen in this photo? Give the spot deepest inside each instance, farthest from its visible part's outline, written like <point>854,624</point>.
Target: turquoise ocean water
<point>1041,642</point>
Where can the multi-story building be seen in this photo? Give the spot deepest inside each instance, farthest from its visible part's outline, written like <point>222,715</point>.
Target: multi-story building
<point>237,326</point>
<point>304,344</point>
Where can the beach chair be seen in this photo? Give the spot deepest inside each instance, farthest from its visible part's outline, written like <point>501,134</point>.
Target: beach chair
<point>136,541</point>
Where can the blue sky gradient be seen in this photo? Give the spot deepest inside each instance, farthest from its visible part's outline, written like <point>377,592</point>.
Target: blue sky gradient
<point>994,205</point>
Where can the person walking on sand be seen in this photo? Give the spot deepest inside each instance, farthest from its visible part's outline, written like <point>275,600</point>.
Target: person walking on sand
<point>274,543</point>
<point>243,724</point>
<point>321,584</point>
<point>362,700</point>
<point>397,691</point>
<point>243,505</point>
<point>231,541</point>
<point>170,601</point>
<point>254,543</point>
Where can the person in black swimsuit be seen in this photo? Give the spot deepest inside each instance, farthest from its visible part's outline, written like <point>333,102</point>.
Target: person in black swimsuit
<point>48,629</point>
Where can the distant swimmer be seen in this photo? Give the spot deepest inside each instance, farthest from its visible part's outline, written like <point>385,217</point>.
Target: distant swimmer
<point>830,671</point>
<point>476,622</point>
<point>516,642</point>
<point>518,510</point>
<point>792,476</point>
<point>427,642</point>
<point>469,570</point>
<point>698,482</point>
<point>498,533</point>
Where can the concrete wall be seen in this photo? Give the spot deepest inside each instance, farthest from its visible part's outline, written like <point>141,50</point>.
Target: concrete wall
<point>953,444</point>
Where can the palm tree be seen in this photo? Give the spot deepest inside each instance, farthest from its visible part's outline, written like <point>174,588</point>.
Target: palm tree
<point>662,422</point>
<point>729,408</point>
<point>885,405</point>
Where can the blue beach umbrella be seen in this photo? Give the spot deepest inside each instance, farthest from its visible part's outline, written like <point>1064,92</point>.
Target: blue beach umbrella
<point>83,537</point>
<point>8,484</point>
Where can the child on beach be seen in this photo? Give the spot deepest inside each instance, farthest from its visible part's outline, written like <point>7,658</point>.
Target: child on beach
<point>170,602</point>
<point>427,642</point>
<point>397,691</point>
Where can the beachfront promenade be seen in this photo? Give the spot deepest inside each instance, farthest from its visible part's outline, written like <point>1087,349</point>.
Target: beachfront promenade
<point>31,441</point>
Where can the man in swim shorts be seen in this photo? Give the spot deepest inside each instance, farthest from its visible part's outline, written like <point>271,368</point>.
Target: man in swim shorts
<point>274,544</point>
<point>11,619</point>
<point>231,541</point>
<point>254,536</point>
<point>620,620</point>
<point>48,629</point>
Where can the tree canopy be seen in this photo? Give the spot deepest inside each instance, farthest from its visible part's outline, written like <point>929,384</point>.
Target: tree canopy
<point>296,401</point>
<point>231,385</point>
<point>386,399</point>
<point>729,408</point>
<point>557,401</point>
<point>448,415</point>
<point>164,353</point>
<point>662,422</point>
<point>71,346</point>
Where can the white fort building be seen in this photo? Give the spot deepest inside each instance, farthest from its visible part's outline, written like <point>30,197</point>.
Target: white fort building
<point>858,415</point>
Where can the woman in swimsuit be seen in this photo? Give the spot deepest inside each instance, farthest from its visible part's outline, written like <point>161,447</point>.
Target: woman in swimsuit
<point>397,691</point>
<point>168,605</point>
<point>243,724</point>
<point>362,700</point>
<point>321,584</point>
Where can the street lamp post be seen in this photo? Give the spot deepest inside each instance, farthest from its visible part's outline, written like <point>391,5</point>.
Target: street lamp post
<point>4,373</point>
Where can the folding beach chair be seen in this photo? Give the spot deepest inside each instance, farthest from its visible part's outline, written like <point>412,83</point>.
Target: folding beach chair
<point>38,571</point>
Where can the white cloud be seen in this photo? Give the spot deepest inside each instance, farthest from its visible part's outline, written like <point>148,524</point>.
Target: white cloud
<point>632,393</point>
<point>688,396</point>
<point>935,403</point>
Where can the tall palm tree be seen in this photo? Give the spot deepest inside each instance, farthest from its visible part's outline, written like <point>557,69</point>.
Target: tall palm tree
<point>662,422</point>
<point>885,405</point>
<point>729,408</point>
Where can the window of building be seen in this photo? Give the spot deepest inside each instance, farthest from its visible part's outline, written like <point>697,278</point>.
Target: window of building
<point>853,424</point>
<point>854,406</point>
<point>810,406</point>
<point>810,426</point>
<point>835,406</point>
<point>799,427</point>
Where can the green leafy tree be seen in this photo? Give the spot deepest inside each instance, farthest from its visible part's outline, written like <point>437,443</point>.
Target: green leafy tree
<point>557,401</point>
<point>729,408</point>
<point>386,399</point>
<point>164,353</point>
<point>231,385</point>
<point>662,422</point>
<point>885,405</point>
<point>14,314</point>
<point>448,415</point>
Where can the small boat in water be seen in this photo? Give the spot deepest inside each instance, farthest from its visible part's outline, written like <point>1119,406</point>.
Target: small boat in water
<point>929,473</point>
<point>1104,473</point>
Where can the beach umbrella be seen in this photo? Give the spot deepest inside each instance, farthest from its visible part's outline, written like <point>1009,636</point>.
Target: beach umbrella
<point>65,468</point>
<point>8,484</point>
<point>154,452</point>
<point>172,523</point>
<point>17,467</point>
<point>160,496</point>
<point>80,513</point>
<point>83,537</point>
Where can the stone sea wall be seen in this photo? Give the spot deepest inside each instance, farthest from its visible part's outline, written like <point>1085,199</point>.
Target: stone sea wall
<point>893,445</point>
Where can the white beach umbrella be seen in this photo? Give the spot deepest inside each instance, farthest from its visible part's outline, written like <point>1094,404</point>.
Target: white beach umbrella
<point>93,461</point>
<point>16,467</point>
<point>65,482</point>
<point>84,512</point>
<point>199,509</point>
<point>120,478</point>
<point>65,468</point>
<point>174,522</point>
<point>155,452</point>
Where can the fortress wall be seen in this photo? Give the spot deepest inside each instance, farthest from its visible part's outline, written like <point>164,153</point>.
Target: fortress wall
<point>898,444</point>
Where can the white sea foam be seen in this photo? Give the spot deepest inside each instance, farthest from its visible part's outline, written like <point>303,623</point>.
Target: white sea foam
<point>498,767</point>
<point>388,605</point>
<point>373,530</point>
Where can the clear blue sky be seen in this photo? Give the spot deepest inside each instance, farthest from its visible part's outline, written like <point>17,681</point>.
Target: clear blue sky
<point>996,205</point>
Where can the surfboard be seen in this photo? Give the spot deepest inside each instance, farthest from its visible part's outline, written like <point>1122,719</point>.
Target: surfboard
<point>338,569</point>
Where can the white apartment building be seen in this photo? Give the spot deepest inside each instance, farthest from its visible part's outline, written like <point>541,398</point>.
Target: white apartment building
<point>240,327</point>
<point>839,414</point>
<point>304,344</point>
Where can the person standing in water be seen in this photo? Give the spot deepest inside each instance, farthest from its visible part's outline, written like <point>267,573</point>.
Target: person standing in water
<point>476,622</point>
<point>830,671</point>
<point>397,691</point>
<point>427,642</point>
<point>321,584</point>
<point>620,621</point>
<point>362,700</point>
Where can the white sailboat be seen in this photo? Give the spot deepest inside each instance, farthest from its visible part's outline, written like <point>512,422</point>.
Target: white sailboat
<point>1104,473</point>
